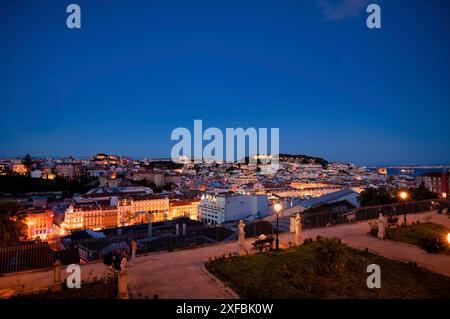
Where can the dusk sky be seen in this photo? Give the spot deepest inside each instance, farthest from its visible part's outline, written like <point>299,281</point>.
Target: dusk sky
<point>136,70</point>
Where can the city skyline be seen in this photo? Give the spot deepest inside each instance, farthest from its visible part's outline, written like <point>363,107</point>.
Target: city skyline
<point>129,76</point>
<point>87,157</point>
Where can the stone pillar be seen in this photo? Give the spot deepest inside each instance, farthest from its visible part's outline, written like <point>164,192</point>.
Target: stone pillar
<point>177,229</point>
<point>56,276</point>
<point>241,238</point>
<point>150,230</point>
<point>184,229</point>
<point>123,284</point>
<point>382,225</point>
<point>298,229</point>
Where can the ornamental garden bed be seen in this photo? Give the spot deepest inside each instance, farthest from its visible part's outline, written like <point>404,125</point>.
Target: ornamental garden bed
<point>429,236</point>
<point>325,268</point>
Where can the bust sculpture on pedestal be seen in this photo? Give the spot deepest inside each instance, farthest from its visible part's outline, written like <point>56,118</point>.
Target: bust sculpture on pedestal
<point>382,225</point>
<point>241,237</point>
<point>298,229</point>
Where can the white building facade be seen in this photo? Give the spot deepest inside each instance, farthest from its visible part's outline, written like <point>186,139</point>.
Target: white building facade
<point>217,209</point>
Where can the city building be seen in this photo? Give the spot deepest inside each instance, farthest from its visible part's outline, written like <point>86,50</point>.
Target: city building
<point>39,222</point>
<point>20,169</point>
<point>217,209</point>
<point>347,194</point>
<point>174,179</point>
<point>65,170</point>
<point>104,207</point>
<point>438,183</point>
<point>5,168</point>
<point>94,214</point>
<point>184,208</point>
<point>152,177</point>
<point>36,173</point>
<point>135,209</point>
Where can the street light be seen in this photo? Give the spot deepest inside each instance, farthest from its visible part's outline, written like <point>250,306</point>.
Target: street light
<point>444,195</point>
<point>277,208</point>
<point>403,196</point>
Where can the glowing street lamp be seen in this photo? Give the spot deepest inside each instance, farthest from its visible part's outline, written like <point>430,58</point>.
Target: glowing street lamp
<point>277,208</point>
<point>448,238</point>
<point>404,196</point>
<point>444,195</point>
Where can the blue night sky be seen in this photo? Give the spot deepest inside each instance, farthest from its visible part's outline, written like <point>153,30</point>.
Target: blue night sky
<point>138,69</point>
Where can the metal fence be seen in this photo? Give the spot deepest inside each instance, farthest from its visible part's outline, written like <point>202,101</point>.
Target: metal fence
<point>372,212</point>
<point>323,219</point>
<point>34,256</point>
<point>92,249</point>
<point>31,256</point>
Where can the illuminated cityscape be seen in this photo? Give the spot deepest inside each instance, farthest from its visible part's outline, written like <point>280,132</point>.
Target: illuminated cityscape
<point>236,158</point>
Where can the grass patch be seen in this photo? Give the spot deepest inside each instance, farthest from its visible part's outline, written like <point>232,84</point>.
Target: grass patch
<point>422,235</point>
<point>330,270</point>
<point>93,290</point>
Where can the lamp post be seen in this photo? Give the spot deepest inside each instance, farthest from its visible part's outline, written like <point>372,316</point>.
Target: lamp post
<point>403,196</point>
<point>444,196</point>
<point>277,208</point>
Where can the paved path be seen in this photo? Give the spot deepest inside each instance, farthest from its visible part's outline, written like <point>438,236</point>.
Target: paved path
<point>181,274</point>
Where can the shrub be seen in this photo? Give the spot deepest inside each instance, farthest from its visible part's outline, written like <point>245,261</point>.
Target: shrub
<point>374,232</point>
<point>329,256</point>
<point>431,245</point>
<point>392,220</point>
<point>373,229</point>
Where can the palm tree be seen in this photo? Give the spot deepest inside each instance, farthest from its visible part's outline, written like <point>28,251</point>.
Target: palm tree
<point>12,222</point>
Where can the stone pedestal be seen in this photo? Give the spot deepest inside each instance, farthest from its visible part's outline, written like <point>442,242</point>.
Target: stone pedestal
<point>298,229</point>
<point>382,226</point>
<point>56,286</point>
<point>241,238</point>
<point>123,285</point>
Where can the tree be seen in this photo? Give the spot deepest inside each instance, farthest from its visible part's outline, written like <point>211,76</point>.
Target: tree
<point>12,222</point>
<point>28,162</point>
<point>376,196</point>
<point>422,193</point>
<point>169,186</point>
